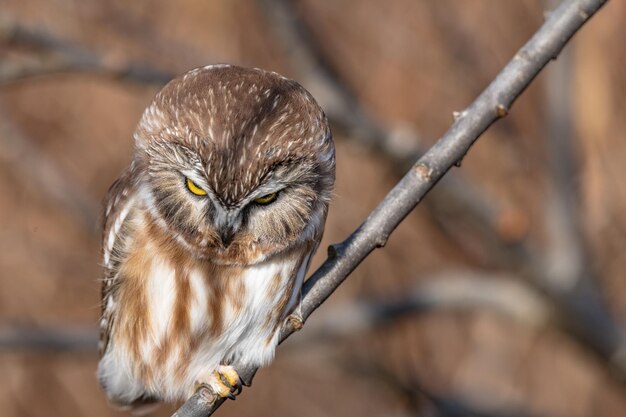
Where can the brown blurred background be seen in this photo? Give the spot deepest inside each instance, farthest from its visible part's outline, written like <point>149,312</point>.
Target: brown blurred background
<point>503,294</point>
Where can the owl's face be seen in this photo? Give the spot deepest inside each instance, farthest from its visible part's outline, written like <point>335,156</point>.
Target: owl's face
<point>238,164</point>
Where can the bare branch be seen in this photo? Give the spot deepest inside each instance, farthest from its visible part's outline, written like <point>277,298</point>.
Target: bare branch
<point>456,201</point>
<point>491,105</point>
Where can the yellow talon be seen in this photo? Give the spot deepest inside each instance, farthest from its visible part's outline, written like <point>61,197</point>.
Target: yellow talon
<point>223,382</point>
<point>228,375</point>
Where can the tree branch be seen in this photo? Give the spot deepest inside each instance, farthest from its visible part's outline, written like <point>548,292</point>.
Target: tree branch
<point>457,202</point>
<point>493,104</point>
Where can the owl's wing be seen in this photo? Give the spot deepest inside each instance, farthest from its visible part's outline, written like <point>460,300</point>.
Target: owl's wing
<point>119,203</point>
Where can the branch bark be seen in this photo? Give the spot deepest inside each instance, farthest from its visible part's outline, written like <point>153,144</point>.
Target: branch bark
<point>493,104</point>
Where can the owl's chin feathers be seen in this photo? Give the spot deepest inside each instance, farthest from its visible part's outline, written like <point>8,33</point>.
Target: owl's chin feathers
<point>242,254</point>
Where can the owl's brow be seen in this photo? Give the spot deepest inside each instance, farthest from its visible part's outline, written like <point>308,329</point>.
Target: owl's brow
<point>265,180</point>
<point>182,154</point>
<point>274,166</point>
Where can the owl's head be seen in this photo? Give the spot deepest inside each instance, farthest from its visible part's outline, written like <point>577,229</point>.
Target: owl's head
<point>236,164</point>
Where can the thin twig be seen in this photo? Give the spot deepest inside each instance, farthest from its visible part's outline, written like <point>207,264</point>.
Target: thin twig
<point>493,104</point>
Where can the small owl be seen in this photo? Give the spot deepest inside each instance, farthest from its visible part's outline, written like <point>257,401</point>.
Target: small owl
<point>209,233</point>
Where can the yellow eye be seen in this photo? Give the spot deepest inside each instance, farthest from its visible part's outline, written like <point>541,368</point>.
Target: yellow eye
<point>266,199</point>
<point>191,186</point>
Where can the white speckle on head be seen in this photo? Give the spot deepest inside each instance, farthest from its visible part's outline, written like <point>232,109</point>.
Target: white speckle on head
<point>275,102</point>
<point>215,66</point>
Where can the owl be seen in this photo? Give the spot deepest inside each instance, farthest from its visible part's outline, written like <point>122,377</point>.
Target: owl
<point>209,232</point>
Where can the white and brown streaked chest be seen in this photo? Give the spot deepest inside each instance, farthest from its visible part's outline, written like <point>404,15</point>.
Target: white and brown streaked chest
<point>182,314</point>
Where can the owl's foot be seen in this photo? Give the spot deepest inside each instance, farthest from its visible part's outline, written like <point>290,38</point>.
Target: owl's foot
<point>224,382</point>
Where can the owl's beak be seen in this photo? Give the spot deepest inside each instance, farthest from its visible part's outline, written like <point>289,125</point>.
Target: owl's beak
<point>226,225</point>
<point>226,235</point>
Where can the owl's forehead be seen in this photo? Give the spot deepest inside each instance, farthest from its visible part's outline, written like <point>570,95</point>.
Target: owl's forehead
<point>240,122</point>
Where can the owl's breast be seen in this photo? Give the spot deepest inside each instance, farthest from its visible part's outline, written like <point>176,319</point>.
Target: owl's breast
<point>188,315</point>
<point>234,302</point>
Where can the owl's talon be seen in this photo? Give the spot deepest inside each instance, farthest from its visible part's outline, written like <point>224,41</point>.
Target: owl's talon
<point>226,382</point>
<point>229,377</point>
<point>235,386</point>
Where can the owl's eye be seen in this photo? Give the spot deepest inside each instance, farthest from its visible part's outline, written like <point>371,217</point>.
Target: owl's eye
<point>193,187</point>
<point>266,199</point>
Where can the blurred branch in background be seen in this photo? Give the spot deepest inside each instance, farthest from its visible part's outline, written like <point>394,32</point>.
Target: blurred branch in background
<point>54,55</point>
<point>27,162</point>
<point>445,292</point>
<point>568,275</point>
<point>493,104</point>
<point>58,339</point>
<point>425,402</point>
